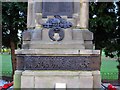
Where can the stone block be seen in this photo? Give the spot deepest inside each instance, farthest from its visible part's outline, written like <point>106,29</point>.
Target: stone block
<point>68,34</point>
<point>88,46</point>
<point>87,35</point>
<point>26,44</point>
<point>86,80</point>
<point>88,42</point>
<point>45,36</point>
<point>48,79</point>
<point>17,79</point>
<point>77,35</point>
<point>26,35</point>
<point>37,35</point>
<point>57,52</point>
<point>27,81</point>
<point>56,46</point>
<point>96,80</point>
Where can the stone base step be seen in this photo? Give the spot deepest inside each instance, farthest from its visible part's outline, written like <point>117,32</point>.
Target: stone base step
<point>56,46</point>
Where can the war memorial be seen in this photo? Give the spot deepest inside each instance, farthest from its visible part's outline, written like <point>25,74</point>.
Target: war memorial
<point>57,49</point>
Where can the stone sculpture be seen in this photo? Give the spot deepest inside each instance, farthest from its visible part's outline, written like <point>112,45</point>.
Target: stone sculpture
<point>55,25</point>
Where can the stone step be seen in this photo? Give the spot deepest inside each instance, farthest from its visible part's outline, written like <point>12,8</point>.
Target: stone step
<point>56,46</point>
<point>57,51</point>
<point>60,42</point>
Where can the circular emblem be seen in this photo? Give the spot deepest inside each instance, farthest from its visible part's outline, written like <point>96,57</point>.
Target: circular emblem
<point>56,34</point>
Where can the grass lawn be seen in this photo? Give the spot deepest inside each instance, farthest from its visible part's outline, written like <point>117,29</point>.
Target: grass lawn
<point>5,62</point>
<point>108,67</point>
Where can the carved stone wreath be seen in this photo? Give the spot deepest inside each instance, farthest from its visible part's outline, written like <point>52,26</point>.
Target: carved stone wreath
<point>56,26</point>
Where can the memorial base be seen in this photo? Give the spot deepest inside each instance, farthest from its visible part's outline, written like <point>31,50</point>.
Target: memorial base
<point>47,68</point>
<point>49,79</point>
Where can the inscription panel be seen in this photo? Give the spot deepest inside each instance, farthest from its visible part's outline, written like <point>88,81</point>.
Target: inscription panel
<point>57,8</point>
<point>86,63</point>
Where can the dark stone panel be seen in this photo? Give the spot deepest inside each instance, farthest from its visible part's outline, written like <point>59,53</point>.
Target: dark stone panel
<point>20,63</point>
<point>57,8</point>
<point>85,63</point>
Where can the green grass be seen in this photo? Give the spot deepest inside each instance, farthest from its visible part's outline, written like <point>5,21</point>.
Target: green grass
<point>108,67</point>
<point>5,62</point>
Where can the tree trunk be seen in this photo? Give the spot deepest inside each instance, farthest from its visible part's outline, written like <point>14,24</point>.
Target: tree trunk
<point>13,57</point>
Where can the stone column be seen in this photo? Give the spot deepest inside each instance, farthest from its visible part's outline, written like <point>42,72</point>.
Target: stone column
<point>31,14</point>
<point>84,14</point>
<point>17,79</point>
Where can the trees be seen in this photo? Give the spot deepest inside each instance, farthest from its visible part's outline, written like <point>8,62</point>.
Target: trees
<point>118,36</point>
<point>105,24</point>
<point>13,19</point>
<point>102,23</point>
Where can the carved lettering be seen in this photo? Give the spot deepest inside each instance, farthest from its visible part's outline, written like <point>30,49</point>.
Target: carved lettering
<point>60,63</point>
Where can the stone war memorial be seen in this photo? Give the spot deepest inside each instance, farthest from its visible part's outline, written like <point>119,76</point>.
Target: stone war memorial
<point>57,49</point>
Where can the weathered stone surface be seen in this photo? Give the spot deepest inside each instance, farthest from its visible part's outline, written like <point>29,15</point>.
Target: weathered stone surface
<point>68,34</point>
<point>57,46</point>
<point>37,35</point>
<point>62,52</point>
<point>31,14</point>
<point>43,82</point>
<point>86,80</point>
<point>27,81</point>
<point>84,35</point>
<point>26,35</point>
<point>17,79</point>
<point>45,36</point>
<point>84,14</point>
<point>96,80</point>
<point>87,35</point>
<point>76,38</point>
<point>26,45</point>
<point>48,79</point>
<point>88,46</point>
<point>77,34</point>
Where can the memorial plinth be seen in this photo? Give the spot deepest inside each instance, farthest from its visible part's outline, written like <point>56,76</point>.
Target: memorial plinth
<point>48,59</point>
<point>58,52</point>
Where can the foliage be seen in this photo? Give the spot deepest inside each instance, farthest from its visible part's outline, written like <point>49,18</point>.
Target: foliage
<point>13,19</point>
<point>103,23</point>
